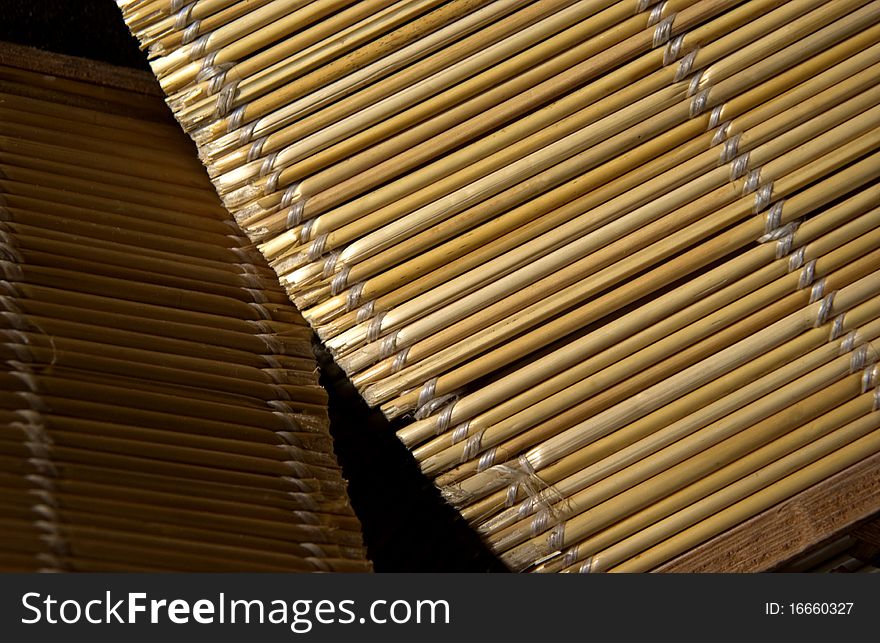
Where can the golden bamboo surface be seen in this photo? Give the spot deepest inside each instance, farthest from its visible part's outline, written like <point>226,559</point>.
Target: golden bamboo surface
<point>159,407</point>
<point>617,262</point>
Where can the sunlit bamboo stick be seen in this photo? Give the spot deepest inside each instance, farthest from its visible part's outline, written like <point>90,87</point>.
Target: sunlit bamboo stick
<point>293,56</point>
<point>522,160</point>
<point>689,416</point>
<point>568,468</point>
<point>573,402</point>
<point>570,440</point>
<point>680,472</point>
<point>441,27</point>
<point>570,70</point>
<point>773,494</point>
<point>657,312</point>
<point>179,28</point>
<point>804,445</point>
<point>554,55</point>
<point>700,255</point>
<point>516,227</point>
<point>641,221</point>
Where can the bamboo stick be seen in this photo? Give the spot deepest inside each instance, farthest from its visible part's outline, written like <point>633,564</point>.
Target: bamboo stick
<point>603,236</point>
<point>574,399</point>
<point>811,442</point>
<point>224,375</point>
<point>845,298</point>
<point>479,91</point>
<point>785,488</point>
<point>293,56</point>
<point>602,450</point>
<point>98,118</point>
<point>734,446</point>
<point>568,441</point>
<point>570,70</point>
<point>104,161</point>
<point>385,224</point>
<point>456,62</point>
<point>756,272</point>
<point>518,223</point>
<point>12,113</point>
<point>82,94</point>
<point>240,42</point>
<point>172,483</point>
<point>582,414</point>
<point>654,313</point>
<point>444,25</point>
<point>67,139</point>
<point>773,296</point>
<point>692,413</point>
<point>231,32</point>
<point>189,201</point>
<point>186,25</point>
<point>534,154</point>
<point>560,303</point>
<point>316,204</point>
<point>49,231</point>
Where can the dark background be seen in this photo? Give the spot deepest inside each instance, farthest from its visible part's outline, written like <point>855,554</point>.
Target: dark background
<point>407,526</point>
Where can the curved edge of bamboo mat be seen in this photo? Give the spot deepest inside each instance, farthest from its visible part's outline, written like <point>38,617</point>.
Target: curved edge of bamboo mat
<point>81,69</point>
<point>789,528</point>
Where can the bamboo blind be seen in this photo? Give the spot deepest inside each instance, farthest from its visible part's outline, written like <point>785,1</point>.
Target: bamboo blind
<point>617,260</point>
<point>159,407</point>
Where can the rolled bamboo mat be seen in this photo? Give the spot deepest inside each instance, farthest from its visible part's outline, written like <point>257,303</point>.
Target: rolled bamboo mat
<point>159,406</point>
<point>617,262</point>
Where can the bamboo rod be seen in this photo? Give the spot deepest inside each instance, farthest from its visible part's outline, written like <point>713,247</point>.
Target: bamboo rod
<point>554,448</point>
<point>452,64</point>
<point>294,56</point>
<point>707,296</point>
<point>582,415</point>
<point>439,28</point>
<point>189,201</point>
<point>481,91</point>
<point>561,301</point>
<point>642,224</point>
<point>574,399</point>
<point>96,357</point>
<point>186,25</point>
<point>407,280</point>
<point>104,161</point>
<point>570,70</point>
<point>811,441</point>
<point>36,239</point>
<point>98,118</point>
<point>686,471</point>
<point>568,469</point>
<point>773,494</point>
<point>317,205</point>
<point>242,42</point>
<point>226,34</point>
<point>578,403</point>
<point>709,404</point>
<point>534,154</point>
<point>756,272</point>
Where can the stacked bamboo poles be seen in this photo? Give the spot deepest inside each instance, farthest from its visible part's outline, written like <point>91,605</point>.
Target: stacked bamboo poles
<point>160,409</point>
<point>537,239</point>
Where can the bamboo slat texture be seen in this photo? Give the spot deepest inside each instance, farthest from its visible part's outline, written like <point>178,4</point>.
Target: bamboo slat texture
<point>159,406</point>
<point>618,261</point>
